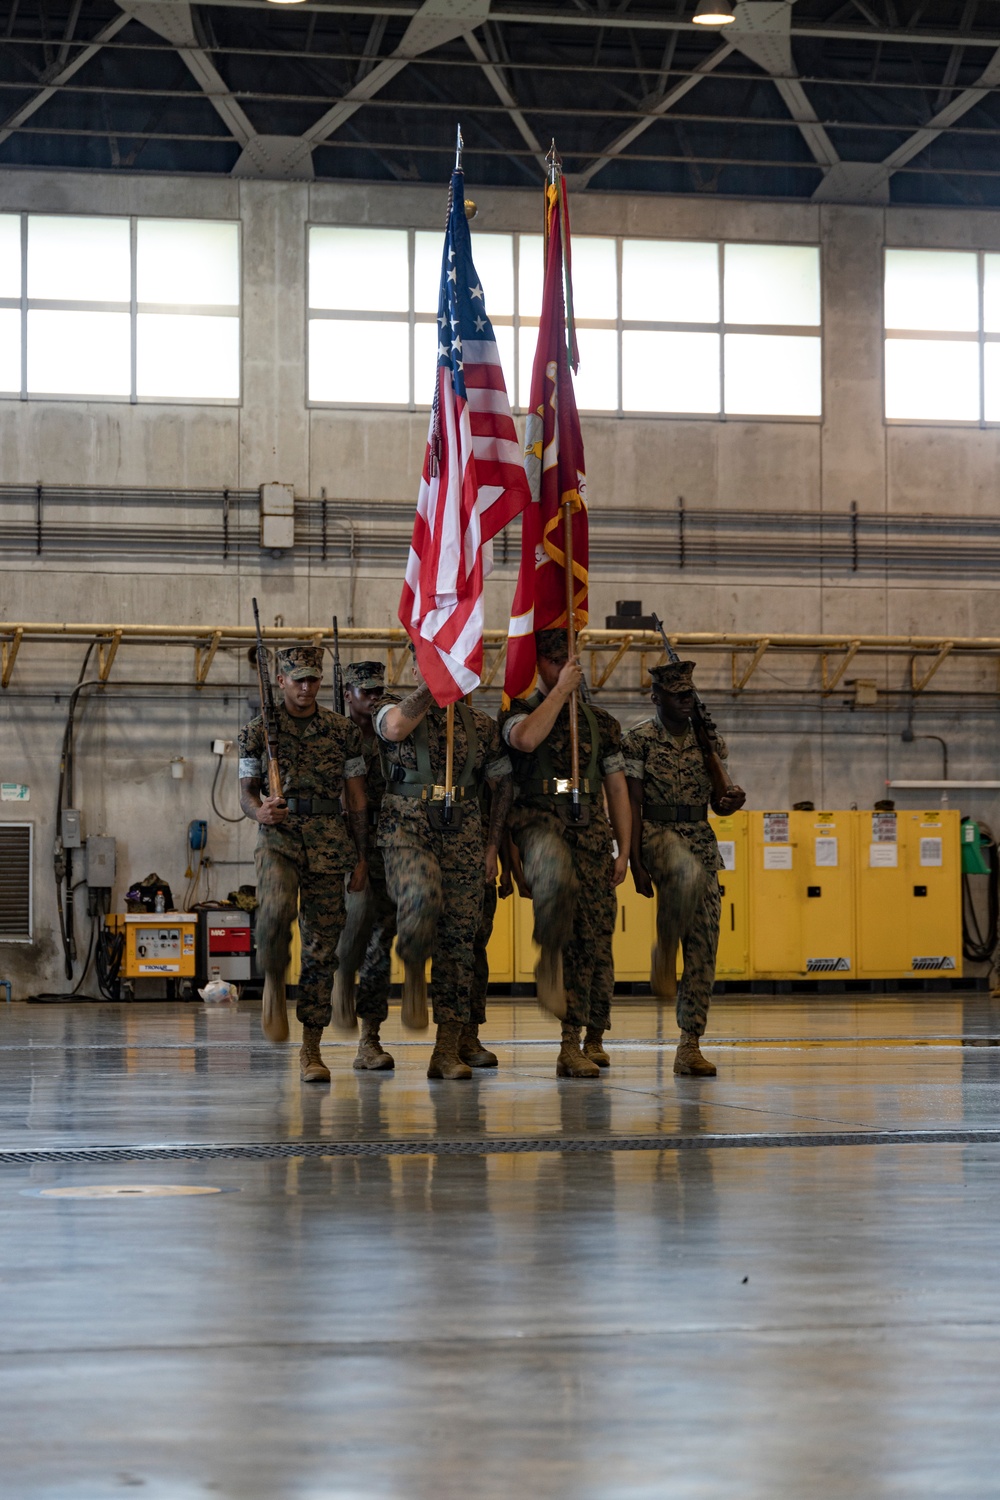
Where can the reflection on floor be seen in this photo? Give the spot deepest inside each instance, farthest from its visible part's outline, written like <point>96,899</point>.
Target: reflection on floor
<point>691,1323</point>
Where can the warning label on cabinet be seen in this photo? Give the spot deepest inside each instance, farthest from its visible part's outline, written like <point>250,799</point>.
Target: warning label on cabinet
<point>828,965</point>
<point>776,828</point>
<point>883,828</point>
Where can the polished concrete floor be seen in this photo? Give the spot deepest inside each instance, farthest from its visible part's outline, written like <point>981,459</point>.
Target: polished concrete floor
<point>786,1314</point>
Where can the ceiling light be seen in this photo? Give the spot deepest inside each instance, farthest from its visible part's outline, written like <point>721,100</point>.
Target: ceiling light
<point>713,13</point>
<point>286,2</point>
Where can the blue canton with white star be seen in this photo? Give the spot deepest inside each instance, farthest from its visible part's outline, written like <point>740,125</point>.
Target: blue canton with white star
<point>461,305</point>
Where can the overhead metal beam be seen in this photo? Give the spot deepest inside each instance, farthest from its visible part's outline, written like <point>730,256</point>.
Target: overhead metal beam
<point>903,35</point>
<point>580,180</point>
<point>503,93</point>
<point>762,32</point>
<point>869,181</point>
<point>62,76</point>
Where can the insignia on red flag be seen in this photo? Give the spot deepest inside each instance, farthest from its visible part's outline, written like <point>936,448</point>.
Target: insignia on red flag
<point>554,463</point>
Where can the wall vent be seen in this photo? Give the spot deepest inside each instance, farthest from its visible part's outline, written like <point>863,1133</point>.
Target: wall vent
<point>15,882</point>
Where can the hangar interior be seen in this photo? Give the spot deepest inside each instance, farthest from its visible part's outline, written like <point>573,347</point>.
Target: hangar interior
<point>220,242</point>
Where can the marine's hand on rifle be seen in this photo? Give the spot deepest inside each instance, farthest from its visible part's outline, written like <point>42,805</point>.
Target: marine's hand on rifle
<point>642,880</point>
<point>359,877</point>
<point>730,801</point>
<point>272,811</point>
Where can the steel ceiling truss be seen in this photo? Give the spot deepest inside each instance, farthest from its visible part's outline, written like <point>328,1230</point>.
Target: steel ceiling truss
<point>820,70</point>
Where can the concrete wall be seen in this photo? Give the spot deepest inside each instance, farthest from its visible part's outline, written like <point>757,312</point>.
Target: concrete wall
<point>796,749</point>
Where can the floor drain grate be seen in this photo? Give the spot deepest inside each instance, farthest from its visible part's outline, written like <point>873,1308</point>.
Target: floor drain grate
<point>492,1146</point>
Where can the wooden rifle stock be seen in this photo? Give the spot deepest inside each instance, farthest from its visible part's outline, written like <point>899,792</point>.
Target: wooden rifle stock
<point>267,708</point>
<point>722,782</point>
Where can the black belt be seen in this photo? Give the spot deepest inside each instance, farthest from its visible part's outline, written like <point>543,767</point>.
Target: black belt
<point>675,812</point>
<point>311,806</point>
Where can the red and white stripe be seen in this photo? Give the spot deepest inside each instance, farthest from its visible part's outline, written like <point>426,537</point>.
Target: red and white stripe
<point>479,487</point>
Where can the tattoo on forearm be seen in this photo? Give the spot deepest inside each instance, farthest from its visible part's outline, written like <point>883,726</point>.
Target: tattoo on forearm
<point>250,799</point>
<point>503,796</point>
<point>416,705</point>
<point>357,822</point>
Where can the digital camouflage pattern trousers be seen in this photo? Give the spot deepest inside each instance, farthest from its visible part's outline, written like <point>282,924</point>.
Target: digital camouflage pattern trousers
<point>365,946</point>
<point>480,963</point>
<point>569,872</point>
<point>286,886</point>
<point>688,909</point>
<point>435,879</point>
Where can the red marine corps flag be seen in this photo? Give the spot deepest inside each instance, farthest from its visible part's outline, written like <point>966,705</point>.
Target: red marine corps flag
<point>553,459</point>
<point>473,479</point>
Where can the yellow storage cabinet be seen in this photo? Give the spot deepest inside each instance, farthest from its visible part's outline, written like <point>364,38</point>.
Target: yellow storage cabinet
<point>802,906</point>
<point>635,933</point>
<point>909,894</point>
<point>733,961</point>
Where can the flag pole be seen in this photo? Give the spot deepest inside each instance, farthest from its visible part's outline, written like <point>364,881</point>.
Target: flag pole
<point>554,164</point>
<point>449,720</point>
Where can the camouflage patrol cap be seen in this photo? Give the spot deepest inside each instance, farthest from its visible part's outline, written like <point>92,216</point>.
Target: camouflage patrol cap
<point>673,676</point>
<point>298,662</point>
<point>364,674</point>
<point>551,644</point>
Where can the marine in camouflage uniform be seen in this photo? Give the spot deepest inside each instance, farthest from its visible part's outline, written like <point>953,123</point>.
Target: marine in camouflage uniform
<point>366,942</point>
<point>569,865</point>
<point>303,844</point>
<point>674,848</point>
<point>435,873</point>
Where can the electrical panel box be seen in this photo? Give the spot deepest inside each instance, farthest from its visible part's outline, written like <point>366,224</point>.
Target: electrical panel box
<point>157,944</point>
<point>909,894</point>
<point>69,827</point>
<point>99,862</point>
<point>732,833</point>
<point>224,943</point>
<point>802,907</point>
<point>277,516</point>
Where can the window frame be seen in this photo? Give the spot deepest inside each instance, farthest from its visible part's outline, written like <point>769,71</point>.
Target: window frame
<point>944,336</point>
<point>131,306</point>
<point>517,321</point>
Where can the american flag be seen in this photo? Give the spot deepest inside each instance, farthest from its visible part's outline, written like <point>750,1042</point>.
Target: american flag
<point>473,479</point>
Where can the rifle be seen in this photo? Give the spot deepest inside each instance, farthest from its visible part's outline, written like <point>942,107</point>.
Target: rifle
<point>338,676</point>
<point>722,782</point>
<point>269,711</point>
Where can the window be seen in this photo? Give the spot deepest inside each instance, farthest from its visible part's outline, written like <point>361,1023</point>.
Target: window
<point>942,336</point>
<point>665,327</point>
<point>119,308</point>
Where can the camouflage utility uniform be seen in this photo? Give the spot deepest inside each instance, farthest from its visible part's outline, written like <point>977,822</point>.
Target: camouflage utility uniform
<point>676,793</point>
<point>569,866</point>
<point>301,863</point>
<point>480,961</point>
<point>433,874</point>
<point>366,944</point>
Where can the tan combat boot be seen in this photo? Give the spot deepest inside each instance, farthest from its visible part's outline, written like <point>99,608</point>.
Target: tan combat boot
<point>471,1049</point>
<point>344,1015</point>
<point>549,985</point>
<point>413,1011</point>
<point>593,1047</point>
<point>445,1061</point>
<point>371,1054</point>
<point>273,1015</point>
<point>311,1066</point>
<point>689,1062</point>
<point>571,1062</point>
<point>663,972</point>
